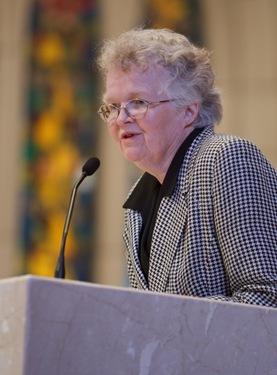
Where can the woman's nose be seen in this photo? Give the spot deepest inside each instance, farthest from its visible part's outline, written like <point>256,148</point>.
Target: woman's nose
<point>123,116</point>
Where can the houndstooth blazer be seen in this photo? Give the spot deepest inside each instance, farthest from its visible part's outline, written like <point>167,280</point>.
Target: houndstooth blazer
<point>216,236</point>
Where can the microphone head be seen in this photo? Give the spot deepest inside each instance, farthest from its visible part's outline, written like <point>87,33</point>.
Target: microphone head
<point>91,166</point>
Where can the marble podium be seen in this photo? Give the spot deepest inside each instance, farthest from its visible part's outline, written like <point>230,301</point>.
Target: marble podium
<point>51,326</point>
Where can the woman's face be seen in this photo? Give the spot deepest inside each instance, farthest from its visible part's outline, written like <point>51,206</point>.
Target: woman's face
<point>152,141</point>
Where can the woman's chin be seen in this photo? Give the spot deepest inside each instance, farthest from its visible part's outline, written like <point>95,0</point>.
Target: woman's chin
<point>133,157</point>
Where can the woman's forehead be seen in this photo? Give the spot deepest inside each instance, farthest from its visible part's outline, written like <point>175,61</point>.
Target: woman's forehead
<point>134,82</point>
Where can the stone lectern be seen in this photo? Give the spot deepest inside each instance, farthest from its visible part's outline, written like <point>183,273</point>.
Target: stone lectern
<point>57,327</point>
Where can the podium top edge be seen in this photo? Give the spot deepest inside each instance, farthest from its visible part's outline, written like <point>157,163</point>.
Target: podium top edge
<point>30,279</point>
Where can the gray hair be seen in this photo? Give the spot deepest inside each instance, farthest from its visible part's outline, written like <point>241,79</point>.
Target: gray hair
<point>189,75</point>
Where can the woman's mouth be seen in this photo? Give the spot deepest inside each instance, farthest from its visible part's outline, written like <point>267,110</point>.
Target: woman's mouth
<point>127,135</point>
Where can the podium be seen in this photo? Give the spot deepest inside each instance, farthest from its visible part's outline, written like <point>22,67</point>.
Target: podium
<point>59,327</point>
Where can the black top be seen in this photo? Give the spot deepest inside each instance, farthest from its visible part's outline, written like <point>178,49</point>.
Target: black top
<point>147,196</point>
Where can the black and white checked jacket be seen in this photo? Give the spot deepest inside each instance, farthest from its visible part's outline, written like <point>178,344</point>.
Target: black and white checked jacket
<point>216,236</point>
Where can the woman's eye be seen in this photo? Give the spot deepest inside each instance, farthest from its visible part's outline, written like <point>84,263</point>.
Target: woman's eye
<point>138,102</point>
<point>114,107</point>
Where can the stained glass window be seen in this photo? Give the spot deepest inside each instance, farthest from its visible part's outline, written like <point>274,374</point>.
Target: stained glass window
<point>60,135</point>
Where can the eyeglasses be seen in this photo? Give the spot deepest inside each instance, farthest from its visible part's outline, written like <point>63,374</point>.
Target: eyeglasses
<point>135,108</point>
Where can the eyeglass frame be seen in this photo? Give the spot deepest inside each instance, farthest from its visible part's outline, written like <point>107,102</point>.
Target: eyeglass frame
<point>119,107</point>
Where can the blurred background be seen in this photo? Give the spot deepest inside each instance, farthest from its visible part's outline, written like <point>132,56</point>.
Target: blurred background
<point>49,95</point>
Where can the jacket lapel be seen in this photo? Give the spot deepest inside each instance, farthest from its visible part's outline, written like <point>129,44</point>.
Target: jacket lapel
<point>166,236</point>
<point>132,242</point>
<point>172,220</point>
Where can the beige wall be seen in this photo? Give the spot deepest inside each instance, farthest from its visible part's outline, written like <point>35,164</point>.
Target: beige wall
<point>242,35</point>
<point>13,20</point>
<point>109,263</point>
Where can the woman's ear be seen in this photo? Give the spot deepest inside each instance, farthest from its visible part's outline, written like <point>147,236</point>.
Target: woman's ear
<point>191,113</point>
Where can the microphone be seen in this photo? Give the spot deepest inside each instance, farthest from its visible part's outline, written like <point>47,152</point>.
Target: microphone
<point>88,169</point>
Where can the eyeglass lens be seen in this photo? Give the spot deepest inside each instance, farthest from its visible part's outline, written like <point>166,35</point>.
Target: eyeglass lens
<point>134,108</point>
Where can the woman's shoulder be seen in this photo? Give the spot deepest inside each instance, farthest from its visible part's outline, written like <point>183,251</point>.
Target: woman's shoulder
<point>218,143</point>
<point>231,151</point>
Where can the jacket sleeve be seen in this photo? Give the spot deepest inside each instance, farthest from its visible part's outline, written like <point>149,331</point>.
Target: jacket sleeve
<point>245,215</point>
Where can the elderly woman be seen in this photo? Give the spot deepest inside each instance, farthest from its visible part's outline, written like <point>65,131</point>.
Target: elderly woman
<point>201,221</point>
